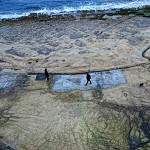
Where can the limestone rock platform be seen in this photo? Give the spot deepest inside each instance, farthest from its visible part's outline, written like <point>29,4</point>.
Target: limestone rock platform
<point>32,117</point>
<point>63,113</point>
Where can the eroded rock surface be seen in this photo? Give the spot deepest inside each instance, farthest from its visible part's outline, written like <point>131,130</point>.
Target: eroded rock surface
<point>74,46</point>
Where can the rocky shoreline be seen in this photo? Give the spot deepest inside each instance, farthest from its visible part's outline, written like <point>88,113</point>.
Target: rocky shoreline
<point>79,15</point>
<point>34,116</point>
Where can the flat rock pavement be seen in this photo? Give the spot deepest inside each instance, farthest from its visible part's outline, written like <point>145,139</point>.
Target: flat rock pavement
<point>36,118</point>
<point>75,46</point>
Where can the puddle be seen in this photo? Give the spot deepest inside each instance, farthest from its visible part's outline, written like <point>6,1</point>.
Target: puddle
<point>10,81</point>
<point>67,83</point>
<point>4,29</point>
<point>104,79</point>
<point>41,77</point>
<point>7,80</point>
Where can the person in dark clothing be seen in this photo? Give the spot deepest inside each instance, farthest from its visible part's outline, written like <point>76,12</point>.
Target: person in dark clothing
<point>141,84</point>
<point>46,74</point>
<point>88,78</point>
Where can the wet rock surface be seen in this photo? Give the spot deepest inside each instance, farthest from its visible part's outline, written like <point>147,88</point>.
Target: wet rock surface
<point>105,79</point>
<point>9,82</point>
<point>3,145</point>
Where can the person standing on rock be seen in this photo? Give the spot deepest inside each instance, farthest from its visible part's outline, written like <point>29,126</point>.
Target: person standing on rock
<point>88,78</point>
<point>46,74</point>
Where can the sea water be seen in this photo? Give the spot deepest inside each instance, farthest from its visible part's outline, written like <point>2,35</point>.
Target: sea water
<point>19,8</point>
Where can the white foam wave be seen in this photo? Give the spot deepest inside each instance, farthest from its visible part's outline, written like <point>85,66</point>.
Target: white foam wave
<point>106,6</point>
<point>12,16</point>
